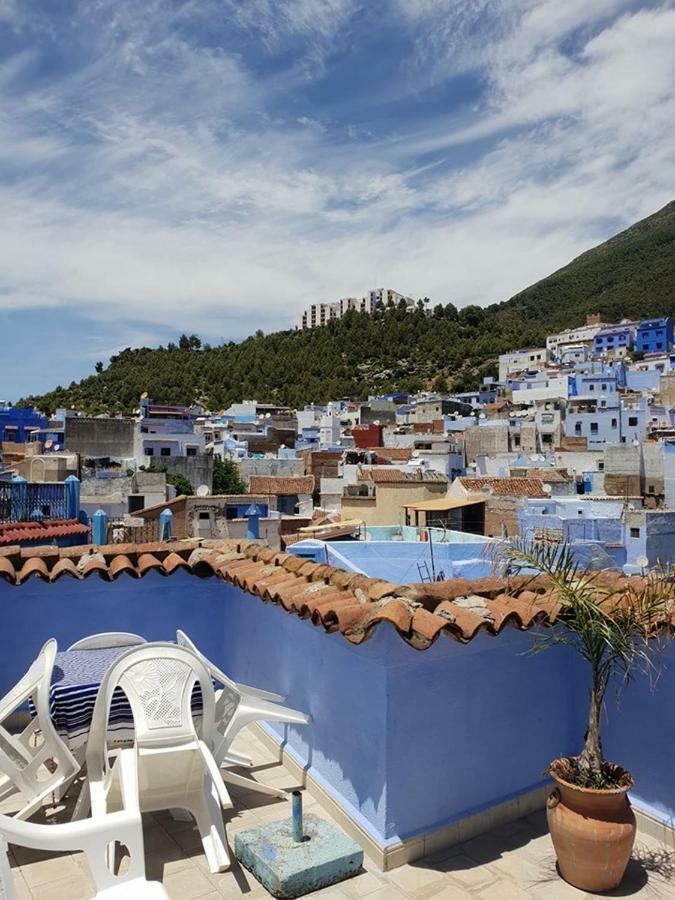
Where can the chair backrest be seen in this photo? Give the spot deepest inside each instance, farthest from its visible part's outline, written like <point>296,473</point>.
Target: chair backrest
<point>21,757</point>
<point>158,680</point>
<point>91,836</point>
<point>108,639</point>
<point>230,695</point>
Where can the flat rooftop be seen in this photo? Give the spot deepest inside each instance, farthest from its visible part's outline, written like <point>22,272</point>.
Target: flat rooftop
<point>511,861</point>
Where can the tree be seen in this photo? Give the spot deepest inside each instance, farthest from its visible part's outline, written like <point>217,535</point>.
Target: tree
<point>98,368</point>
<point>181,483</point>
<point>471,315</point>
<point>610,628</point>
<point>441,384</point>
<point>226,477</point>
<point>184,342</point>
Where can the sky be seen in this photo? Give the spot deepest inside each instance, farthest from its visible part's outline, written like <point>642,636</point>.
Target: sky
<point>214,166</point>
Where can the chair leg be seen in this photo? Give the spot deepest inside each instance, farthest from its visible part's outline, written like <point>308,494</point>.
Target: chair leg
<point>251,784</point>
<point>208,813</point>
<point>82,804</point>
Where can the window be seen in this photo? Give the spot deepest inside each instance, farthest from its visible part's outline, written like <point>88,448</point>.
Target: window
<point>165,451</point>
<point>650,489</point>
<point>577,427</point>
<point>594,427</point>
<point>591,387</point>
<point>635,532</point>
<point>601,467</point>
<point>632,420</point>
<point>604,387</point>
<point>135,502</point>
<point>191,451</point>
<point>613,423</point>
<point>149,451</point>
<point>204,516</point>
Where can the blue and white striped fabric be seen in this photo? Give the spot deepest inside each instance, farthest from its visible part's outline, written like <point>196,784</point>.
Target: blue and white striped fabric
<point>76,679</point>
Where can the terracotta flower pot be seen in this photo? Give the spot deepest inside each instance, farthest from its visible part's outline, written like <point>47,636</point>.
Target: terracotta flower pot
<point>593,831</point>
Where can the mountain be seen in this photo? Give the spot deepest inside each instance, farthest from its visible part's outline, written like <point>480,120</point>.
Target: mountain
<point>632,275</point>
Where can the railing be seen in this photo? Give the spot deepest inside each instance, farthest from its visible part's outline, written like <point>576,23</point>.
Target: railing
<point>119,533</point>
<point>24,501</point>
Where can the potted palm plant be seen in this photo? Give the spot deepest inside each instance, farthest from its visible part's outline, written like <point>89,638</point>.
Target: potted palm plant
<point>611,622</point>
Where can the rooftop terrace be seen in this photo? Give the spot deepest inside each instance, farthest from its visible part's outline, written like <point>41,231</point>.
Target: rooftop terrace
<point>428,751</point>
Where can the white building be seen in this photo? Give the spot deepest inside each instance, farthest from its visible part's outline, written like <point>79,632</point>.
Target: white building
<point>583,335</point>
<point>321,313</point>
<point>522,361</point>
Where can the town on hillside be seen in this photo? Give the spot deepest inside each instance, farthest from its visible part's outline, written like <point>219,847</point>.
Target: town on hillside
<point>573,443</point>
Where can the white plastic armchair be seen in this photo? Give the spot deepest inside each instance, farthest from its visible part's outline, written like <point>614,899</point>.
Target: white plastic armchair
<point>108,639</point>
<point>238,706</point>
<point>170,766</point>
<point>93,837</point>
<point>23,756</point>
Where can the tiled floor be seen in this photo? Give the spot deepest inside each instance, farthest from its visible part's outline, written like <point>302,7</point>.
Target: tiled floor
<point>511,862</point>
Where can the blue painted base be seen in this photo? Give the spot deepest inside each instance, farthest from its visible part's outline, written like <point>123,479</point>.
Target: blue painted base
<point>289,869</point>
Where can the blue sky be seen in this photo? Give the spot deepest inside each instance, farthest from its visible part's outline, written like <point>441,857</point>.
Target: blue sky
<point>214,166</point>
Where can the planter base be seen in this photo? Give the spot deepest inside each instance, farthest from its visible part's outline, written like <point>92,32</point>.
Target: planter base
<point>593,832</point>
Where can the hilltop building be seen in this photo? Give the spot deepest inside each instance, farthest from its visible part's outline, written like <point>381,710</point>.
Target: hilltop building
<point>321,313</point>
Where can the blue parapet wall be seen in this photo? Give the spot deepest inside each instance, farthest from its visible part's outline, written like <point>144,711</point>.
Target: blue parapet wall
<point>405,740</point>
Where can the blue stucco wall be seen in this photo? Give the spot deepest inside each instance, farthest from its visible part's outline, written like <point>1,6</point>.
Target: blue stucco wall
<point>405,740</point>
<point>397,561</point>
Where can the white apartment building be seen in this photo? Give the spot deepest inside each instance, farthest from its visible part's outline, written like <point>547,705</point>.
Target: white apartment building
<point>321,313</point>
<point>523,360</point>
<point>580,336</point>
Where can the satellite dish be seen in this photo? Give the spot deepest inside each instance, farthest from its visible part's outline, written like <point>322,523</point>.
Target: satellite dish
<point>56,447</point>
<point>547,488</point>
<point>642,561</point>
<point>203,490</point>
<point>48,444</point>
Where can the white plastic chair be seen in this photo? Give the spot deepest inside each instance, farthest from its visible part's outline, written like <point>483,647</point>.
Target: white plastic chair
<point>23,756</point>
<point>93,837</point>
<point>108,639</point>
<point>169,764</point>
<point>239,705</point>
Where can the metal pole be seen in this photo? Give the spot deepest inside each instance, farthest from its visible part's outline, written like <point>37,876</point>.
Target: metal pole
<point>296,816</point>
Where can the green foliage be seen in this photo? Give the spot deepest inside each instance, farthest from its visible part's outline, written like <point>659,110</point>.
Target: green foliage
<point>181,483</point>
<point>612,629</point>
<point>226,477</point>
<point>633,274</point>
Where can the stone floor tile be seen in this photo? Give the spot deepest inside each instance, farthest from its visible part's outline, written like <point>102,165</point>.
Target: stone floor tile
<point>42,868</point>
<point>412,878</point>
<point>75,887</point>
<point>187,884</point>
<point>364,884</point>
<point>504,889</point>
<point>22,890</point>
<point>466,870</point>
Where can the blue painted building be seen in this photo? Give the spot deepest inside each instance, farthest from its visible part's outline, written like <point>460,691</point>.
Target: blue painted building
<point>614,339</point>
<point>655,335</point>
<point>18,423</point>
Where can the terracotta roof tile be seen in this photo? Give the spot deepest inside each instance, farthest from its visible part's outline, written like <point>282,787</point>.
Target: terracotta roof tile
<point>43,531</point>
<point>505,487</point>
<point>393,475</point>
<point>281,486</point>
<point>334,600</point>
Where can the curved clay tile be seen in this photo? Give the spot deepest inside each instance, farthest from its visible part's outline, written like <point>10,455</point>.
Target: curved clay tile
<point>93,564</point>
<point>148,561</point>
<point>63,567</point>
<point>376,590</point>
<point>172,562</point>
<point>122,563</point>
<point>395,611</point>
<point>349,618</point>
<point>7,570</point>
<point>426,626</point>
<point>294,563</point>
<point>35,566</point>
<point>263,583</point>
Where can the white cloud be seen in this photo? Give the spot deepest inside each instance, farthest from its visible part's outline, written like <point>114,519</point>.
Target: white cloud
<point>165,181</point>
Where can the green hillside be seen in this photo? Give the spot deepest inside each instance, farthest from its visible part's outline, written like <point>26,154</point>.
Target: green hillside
<point>632,274</point>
